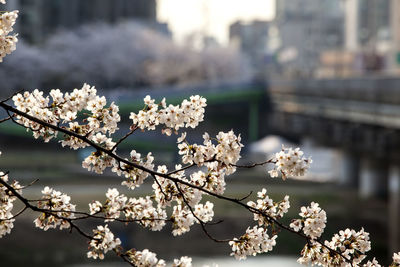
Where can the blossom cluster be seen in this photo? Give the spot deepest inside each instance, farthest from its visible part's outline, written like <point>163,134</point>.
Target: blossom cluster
<point>134,176</point>
<point>140,210</point>
<point>7,42</point>
<point>182,262</point>
<point>6,205</point>
<point>267,206</point>
<point>103,241</point>
<point>290,162</point>
<point>313,221</point>
<point>396,259</point>
<point>63,109</point>
<point>219,159</point>
<point>226,152</point>
<point>183,218</point>
<point>57,202</point>
<point>212,180</point>
<point>98,161</point>
<point>254,241</point>
<point>166,192</point>
<point>146,258</point>
<point>188,114</point>
<point>375,263</point>
<point>350,246</point>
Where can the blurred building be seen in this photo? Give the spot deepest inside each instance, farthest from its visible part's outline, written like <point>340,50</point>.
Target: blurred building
<point>367,22</point>
<point>251,39</point>
<point>39,18</point>
<point>374,21</point>
<point>305,29</point>
<point>367,34</point>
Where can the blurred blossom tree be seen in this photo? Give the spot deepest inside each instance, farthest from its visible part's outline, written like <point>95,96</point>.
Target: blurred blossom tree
<point>177,195</point>
<point>23,70</point>
<point>127,55</point>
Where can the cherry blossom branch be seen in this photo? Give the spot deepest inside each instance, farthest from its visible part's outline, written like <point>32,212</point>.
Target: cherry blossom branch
<point>85,215</point>
<point>55,214</point>
<point>65,109</point>
<point>110,153</point>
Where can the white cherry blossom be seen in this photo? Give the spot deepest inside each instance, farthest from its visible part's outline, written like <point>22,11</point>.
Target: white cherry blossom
<point>58,202</point>
<point>7,42</point>
<point>313,222</point>
<point>290,162</point>
<point>103,241</point>
<point>182,262</point>
<point>373,263</point>
<point>396,259</point>
<point>267,206</point>
<point>6,205</point>
<point>188,114</point>
<point>254,241</point>
<point>144,258</point>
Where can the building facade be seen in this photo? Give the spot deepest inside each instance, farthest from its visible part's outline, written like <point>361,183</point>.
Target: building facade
<point>250,38</point>
<point>39,18</point>
<point>305,29</point>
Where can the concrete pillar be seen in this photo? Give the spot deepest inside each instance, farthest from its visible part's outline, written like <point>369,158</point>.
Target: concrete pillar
<point>350,170</point>
<point>395,34</point>
<point>373,180</point>
<point>351,24</point>
<point>394,208</point>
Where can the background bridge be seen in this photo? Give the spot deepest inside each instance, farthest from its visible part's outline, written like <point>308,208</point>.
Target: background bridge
<point>360,117</point>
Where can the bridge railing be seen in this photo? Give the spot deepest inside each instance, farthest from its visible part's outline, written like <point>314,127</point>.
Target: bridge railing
<point>367,89</point>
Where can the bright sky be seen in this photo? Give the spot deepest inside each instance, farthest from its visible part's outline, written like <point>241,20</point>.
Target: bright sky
<point>186,16</point>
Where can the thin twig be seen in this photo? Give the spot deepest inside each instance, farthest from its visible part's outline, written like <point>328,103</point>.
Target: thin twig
<point>254,164</point>
<point>8,98</point>
<point>30,184</point>
<point>5,119</point>
<point>245,197</point>
<point>15,215</point>
<point>134,128</point>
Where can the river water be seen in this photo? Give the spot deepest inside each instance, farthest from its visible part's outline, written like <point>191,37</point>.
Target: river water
<point>270,261</point>
<point>261,261</point>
